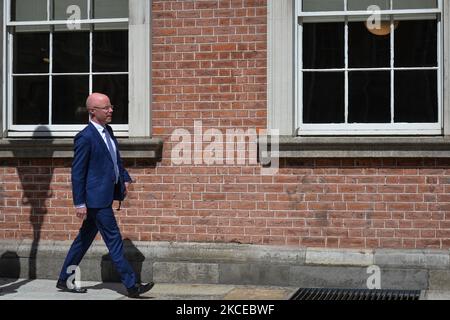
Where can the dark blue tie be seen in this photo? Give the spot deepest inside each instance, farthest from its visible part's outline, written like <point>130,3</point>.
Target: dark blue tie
<point>113,154</point>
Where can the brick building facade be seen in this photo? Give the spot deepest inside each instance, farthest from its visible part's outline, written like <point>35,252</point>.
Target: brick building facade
<point>209,64</point>
<point>209,61</point>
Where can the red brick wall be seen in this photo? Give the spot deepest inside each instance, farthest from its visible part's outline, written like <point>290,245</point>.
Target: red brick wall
<point>209,65</point>
<point>331,202</point>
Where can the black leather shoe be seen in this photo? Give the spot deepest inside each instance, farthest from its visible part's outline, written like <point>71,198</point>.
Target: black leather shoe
<point>63,286</point>
<point>139,288</point>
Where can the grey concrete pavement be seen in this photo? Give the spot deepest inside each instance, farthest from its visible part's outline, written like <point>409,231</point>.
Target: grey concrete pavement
<point>435,295</point>
<point>42,289</point>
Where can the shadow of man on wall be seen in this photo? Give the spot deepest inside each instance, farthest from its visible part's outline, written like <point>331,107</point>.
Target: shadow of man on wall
<point>35,179</point>
<point>132,254</point>
<point>111,278</point>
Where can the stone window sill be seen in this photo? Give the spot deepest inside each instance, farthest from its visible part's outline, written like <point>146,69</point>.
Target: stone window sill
<point>150,148</point>
<point>363,147</point>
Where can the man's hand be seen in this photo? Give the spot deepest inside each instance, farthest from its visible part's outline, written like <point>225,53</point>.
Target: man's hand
<point>127,185</point>
<point>81,213</point>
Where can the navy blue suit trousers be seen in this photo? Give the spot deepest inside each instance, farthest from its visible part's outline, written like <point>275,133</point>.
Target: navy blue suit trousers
<point>102,220</point>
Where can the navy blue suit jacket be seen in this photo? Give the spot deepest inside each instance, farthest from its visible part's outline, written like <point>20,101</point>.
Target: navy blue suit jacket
<point>93,178</point>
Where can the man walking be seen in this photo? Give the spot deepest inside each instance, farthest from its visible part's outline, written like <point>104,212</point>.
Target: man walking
<point>98,178</point>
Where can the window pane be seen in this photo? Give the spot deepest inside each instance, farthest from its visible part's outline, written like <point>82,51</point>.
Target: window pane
<point>416,96</point>
<point>414,4</point>
<point>323,5</point>
<point>71,52</point>
<point>367,49</point>
<point>111,26</point>
<point>369,97</point>
<point>69,99</point>
<point>28,10</point>
<point>323,97</point>
<point>365,4</point>
<point>40,28</point>
<point>323,45</point>
<point>31,53</point>
<point>110,9</point>
<point>116,88</point>
<point>30,100</point>
<point>65,9</point>
<point>71,11</point>
<point>110,51</point>
<point>416,43</point>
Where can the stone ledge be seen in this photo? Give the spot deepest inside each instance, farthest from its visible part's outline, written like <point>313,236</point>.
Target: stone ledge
<point>184,272</point>
<point>316,256</point>
<point>245,253</point>
<point>357,277</point>
<point>167,251</point>
<point>221,263</point>
<point>361,147</point>
<point>422,259</point>
<point>63,148</point>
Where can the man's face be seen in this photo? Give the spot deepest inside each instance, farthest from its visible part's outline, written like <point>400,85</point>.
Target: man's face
<point>102,111</point>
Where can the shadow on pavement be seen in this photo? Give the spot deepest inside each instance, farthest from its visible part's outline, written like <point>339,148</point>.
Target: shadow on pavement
<point>10,273</point>
<point>12,288</point>
<point>114,286</point>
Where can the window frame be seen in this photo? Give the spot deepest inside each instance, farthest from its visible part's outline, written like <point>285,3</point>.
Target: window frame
<point>139,77</point>
<point>355,129</point>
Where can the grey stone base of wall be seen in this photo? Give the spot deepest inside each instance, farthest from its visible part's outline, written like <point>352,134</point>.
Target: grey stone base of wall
<point>216,263</point>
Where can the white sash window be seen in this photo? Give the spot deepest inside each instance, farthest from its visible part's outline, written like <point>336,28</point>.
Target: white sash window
<point>56,53</point>
<point>369,67</point>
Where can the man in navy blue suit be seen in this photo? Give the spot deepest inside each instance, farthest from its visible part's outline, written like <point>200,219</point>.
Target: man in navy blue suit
<point>98,178</point>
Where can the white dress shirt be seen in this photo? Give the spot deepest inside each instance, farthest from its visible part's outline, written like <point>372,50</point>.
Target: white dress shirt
<point>100,129</point>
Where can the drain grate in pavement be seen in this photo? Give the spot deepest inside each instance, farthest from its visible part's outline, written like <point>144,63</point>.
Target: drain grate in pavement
<point>354,294</point>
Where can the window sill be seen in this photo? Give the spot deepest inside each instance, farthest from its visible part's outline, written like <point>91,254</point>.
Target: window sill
<point>150,148</point>
<point>363,147</point>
